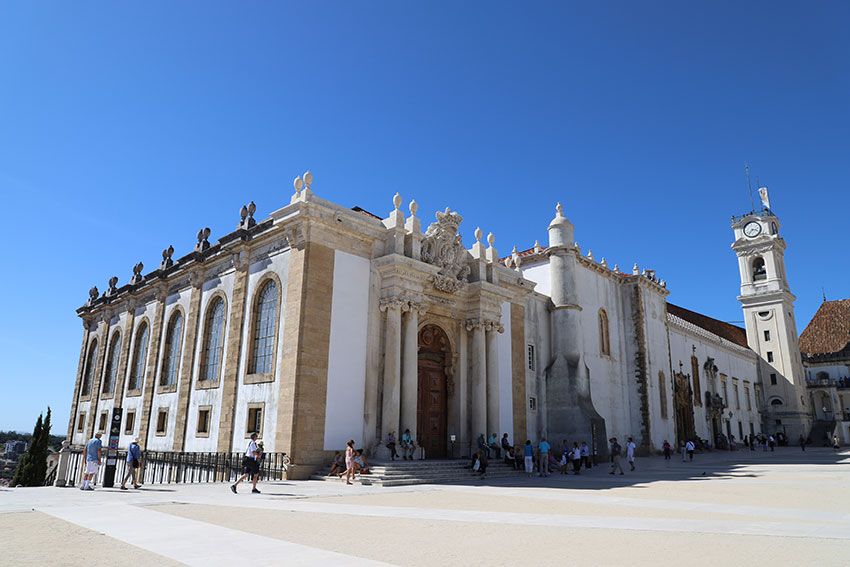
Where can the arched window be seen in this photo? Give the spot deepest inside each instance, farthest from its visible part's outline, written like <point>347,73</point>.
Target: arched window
<point>112,363</point>
<point>776,402</point>
<point>604,337</point>
<point>262,344</point>
<point>171,357</point>
<point>213,341</point>
<point>759,271</point>
<point>89,372</point>
<point>140,354</point>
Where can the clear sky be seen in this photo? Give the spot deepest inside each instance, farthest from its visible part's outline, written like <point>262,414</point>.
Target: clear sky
<point>126,127</point>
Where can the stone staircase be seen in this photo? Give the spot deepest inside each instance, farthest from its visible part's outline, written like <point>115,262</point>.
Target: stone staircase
<point>403,473</point>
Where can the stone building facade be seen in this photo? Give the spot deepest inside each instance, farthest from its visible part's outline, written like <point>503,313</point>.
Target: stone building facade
<point>323,323</point>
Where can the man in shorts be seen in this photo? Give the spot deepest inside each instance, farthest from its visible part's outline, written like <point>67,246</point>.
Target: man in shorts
<point>134,461</point>
<point>94,448</point>
<point>250,465</point>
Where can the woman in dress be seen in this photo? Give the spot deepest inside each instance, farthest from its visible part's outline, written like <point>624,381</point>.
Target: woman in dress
<point>349,461</point>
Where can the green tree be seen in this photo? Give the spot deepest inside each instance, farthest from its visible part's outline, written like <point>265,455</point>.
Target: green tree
<point>32,466</point>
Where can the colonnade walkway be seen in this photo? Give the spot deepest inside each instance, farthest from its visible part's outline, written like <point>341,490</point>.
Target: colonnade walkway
<point>755,508</point>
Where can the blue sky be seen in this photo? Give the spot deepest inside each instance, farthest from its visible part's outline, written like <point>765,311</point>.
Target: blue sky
<point>126,127</point>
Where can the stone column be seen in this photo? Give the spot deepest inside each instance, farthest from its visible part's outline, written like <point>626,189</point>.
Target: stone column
<point>478,380</point>
<point>187,363</point>
<point>392,367</point>
<point>492,330</point>
<point>410,370</point>
<point>155,339</point>
<point>81,368</point>
<point>233,350</point>
<point>461,390</point>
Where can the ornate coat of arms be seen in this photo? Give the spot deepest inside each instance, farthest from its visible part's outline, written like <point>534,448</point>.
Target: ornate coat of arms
<point>442,247</point>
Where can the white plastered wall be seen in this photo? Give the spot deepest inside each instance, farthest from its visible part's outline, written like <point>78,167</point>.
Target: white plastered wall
<point>347,349</point>
<point>506,416</point>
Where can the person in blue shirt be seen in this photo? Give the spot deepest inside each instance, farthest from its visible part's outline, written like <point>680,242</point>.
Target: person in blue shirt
<point>134,461</point>
<point>528,455</point>
<point>94,449</point>
<point>543,456</point>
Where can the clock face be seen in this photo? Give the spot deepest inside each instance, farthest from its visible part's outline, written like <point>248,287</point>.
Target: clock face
<point>752,229</point>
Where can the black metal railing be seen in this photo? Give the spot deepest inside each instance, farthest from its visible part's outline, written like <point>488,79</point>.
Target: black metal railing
<point>167,467</point>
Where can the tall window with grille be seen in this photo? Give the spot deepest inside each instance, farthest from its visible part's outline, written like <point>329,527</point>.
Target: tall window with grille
<point>171,357</point>
<point>140,354</point>
<point>697,387</point>
<point>89,372</point>
<point>265,317</point>
<point>604,336</point>
<point>112,363</point>
<point>213,346</point>
<point>662,392</point>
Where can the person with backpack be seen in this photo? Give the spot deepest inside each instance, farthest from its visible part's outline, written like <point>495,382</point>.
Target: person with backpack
<point>134,462</point>
<point>668,451</point>
<point>250,465</point>
<point>616,451</point>
<point>543,455</point>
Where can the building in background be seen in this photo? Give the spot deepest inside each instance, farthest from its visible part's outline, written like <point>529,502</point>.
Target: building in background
<point>825,343</point>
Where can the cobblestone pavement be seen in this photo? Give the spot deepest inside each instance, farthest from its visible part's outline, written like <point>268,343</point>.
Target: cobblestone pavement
<point>754,508</point>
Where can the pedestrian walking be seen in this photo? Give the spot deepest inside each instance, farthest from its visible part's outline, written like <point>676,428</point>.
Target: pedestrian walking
<point>752,442</point>
<point>250,466</point>
<point>668,451</point>
<point>616,450</point>
<point>803,443</point>
<point>689,449</point>
<point>630,452</point>
<point>349,460</point>
<point>94,452</point>
<point>134,462</point>
<point>771,441</point>
<point>528,455</point>
<point>543,456</point>
<point>835,444</point>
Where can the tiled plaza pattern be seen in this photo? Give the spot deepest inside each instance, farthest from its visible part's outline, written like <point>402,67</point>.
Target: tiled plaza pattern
<point>740,508</point>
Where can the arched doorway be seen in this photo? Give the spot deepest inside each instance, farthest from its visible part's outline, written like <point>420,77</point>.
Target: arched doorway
<point>432,403</point>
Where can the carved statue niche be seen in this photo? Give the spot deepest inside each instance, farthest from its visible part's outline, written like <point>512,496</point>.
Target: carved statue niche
<point>442,247</point>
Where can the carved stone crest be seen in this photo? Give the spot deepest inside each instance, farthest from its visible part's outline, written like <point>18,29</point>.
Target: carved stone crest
<point>442,247</point>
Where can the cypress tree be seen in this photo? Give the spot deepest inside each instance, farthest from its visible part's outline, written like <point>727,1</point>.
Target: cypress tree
<point>32,466</point>
<point>24,471</point>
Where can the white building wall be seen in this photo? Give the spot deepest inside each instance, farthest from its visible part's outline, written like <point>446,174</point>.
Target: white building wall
<point>658,360</point>
<point>506,415</point>
<point>178,301</point>
<point>222,283</point>
<point>347,349</point>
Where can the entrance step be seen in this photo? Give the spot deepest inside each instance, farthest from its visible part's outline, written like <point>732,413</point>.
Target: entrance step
<point>403,473</point>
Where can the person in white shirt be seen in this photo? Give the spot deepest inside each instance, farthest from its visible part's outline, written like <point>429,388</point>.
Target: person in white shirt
<point>576,459</point>
<point>689,449</point>
<point>250,465</point>
<point>630,452</point>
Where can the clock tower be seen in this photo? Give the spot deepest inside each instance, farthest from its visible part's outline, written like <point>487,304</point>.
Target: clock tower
<point>769,319</point>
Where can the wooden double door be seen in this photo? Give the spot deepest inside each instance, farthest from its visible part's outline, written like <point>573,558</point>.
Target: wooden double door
<point>432,402</point>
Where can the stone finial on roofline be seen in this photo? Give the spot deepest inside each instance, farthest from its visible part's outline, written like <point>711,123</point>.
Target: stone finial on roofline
<point>246,215</point>
<point>137,274</point>
<point>635,269</point>
<point>203,240</point>
<point>113,286</point>
<point>167,262</point>
<point>302,182</point>
<point>93,293</point>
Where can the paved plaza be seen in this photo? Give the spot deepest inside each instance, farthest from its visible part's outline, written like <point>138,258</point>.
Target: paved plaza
<point>740,508</point>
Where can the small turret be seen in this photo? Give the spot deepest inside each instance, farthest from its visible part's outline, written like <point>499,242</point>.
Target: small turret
<point>561,231</point>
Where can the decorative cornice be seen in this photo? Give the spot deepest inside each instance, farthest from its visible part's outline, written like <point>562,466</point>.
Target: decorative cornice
<point>680,324</point>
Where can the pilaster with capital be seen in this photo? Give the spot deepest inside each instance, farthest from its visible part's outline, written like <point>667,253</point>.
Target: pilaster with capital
<point>478,378</point>
<point>410,365</point>
<point>391,404</point>
<point>492,330</point>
